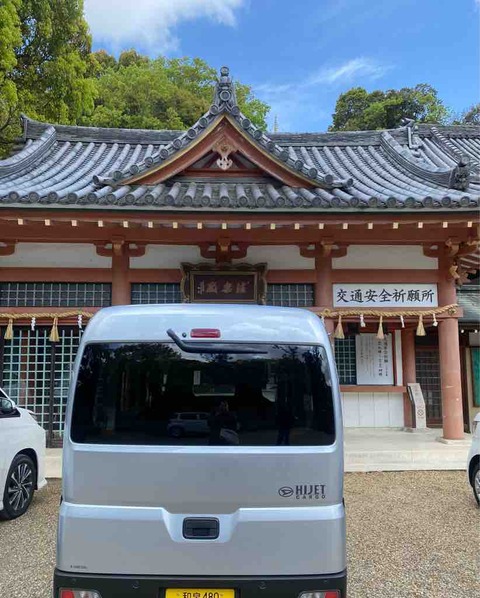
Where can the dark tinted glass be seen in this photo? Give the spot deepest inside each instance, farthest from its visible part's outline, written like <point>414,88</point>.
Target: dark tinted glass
<point>151,393</point>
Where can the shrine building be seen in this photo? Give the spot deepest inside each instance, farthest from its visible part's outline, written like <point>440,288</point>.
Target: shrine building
<point>374,231</point>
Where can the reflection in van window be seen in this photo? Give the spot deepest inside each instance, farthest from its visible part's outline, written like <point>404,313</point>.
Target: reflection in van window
<point>154,393</point>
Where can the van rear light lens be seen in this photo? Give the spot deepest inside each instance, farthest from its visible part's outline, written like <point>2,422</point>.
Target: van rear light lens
<point>328,594</point>
<point>79,594</point>
<point>205,333</point>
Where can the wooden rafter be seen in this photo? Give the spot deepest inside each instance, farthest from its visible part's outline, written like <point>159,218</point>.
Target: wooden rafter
<point>224,250</point>
<point>325,248</point>
<point>118,246</point>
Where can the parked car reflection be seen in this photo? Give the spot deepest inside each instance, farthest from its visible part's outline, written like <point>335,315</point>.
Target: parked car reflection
<point>189,423</point>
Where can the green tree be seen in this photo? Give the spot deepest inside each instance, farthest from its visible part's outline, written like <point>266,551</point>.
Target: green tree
<point>138,92</point>
<point>469,117</point>
<point>129,57</point>
<point>10,38</point>
<point>46,65</point>
<point>357,109</point>
<point>103,61</point>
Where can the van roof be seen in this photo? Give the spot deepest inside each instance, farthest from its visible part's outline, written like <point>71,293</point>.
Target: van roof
<point>237,323</point>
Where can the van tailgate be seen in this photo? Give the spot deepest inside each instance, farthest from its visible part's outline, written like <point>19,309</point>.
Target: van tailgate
<point>280,511</point>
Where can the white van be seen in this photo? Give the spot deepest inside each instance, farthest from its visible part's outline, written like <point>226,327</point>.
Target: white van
<point>249,505</point>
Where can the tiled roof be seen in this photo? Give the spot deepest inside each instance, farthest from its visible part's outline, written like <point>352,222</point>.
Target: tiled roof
<point>468,298</point>
<point>415,167</point>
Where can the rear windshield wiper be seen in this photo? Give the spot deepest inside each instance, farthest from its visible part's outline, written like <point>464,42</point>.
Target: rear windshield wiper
<point>200,347</point>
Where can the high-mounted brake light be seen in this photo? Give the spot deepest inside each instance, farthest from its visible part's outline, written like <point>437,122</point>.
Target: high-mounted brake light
<point>205,333</point>
<point>64,593</point>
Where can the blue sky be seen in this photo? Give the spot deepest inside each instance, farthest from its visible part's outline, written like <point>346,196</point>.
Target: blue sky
<point>299,56</point>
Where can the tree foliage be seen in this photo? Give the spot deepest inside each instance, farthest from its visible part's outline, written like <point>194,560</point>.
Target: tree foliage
<point>469,117</point>
<point>47,71</point>
<point>46,65</point>
<point>10,38</point>
<point>161,93</point>
<point>358,109</point>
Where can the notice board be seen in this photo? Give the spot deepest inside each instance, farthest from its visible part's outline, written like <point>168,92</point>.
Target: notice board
<point>374,359</point>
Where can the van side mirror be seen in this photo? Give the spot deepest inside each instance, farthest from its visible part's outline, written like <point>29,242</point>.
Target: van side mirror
<point>7,406</point>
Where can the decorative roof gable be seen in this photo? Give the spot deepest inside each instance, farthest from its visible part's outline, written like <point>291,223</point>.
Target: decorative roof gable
<point>225,131</point>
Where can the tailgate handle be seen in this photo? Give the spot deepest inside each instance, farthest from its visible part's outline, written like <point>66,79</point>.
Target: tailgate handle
<point>200,528</point>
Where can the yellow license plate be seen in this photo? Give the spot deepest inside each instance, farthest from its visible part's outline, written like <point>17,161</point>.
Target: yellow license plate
<point>199,593</point>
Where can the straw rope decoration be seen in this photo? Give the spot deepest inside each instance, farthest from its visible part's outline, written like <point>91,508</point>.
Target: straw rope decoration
<point>34,317</point>
<point>326,313</point>
<point>339,329</point>
<point>362,313</point>
<point>380,333</point>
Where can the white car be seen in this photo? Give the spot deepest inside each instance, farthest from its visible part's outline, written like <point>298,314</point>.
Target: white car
<point>188,423</point>
<point>473,463</point>
<point>22,458</point>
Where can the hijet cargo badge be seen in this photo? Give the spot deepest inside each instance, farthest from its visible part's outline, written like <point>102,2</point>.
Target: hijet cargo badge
<point>303,491</point>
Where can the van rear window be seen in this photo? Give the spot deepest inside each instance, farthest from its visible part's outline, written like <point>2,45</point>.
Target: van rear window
<point>156,394</point>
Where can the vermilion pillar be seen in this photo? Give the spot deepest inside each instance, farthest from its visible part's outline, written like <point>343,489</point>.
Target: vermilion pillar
<point>323,285</point>
<point>409,371</point>
<point>120,252</point>
<point>120,281</point>
<point>450,374</point>
<point>323,280</point>
<point>450,368</point>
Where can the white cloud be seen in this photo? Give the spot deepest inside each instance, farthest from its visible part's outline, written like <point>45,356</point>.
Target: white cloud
<point>357,68</point>
<point>286,97</point>
<point>151,24</point>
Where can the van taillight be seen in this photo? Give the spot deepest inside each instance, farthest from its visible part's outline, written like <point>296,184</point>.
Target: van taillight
<point>205,333</point>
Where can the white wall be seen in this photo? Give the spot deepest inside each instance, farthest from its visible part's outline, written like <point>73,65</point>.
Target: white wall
<point>279,257</point>
<point>167,256</point>
<point>55,255</point>
<point>402,257</point>
<point>373,409</point>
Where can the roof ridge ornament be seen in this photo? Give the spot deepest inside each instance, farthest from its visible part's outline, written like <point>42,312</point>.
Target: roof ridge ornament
<point>225,97</point>
<point>460,175</point>
<point>453,178</point>
<point>414,142</point>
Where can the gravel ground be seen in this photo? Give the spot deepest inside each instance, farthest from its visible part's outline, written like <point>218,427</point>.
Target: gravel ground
<point>410,535</point>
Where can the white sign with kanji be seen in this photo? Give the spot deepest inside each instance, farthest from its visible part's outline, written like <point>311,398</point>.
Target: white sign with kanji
<point>416,396</point>
<point>385,295</point>
<point>374,359</point>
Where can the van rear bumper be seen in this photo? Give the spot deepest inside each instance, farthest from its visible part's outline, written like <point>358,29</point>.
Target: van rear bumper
<point>123,586</point>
